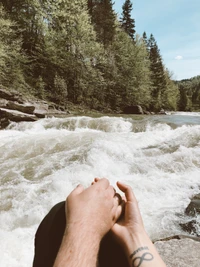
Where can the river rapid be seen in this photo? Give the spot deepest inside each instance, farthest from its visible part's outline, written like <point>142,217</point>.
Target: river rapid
<point>41,162</point>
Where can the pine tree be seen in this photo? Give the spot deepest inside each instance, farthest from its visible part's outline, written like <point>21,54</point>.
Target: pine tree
<point>145,40</point>
<point>157,74</point>
<point>104,18</point>
<point>128,24</point>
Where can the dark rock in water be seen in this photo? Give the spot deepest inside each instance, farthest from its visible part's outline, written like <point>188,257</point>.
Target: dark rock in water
<point>194,206</point>
<point>162,112</point>
<point>193,209</point>
<point>133,110</point>
<point>4,122</point>
<point>25,108</point>
<point>190,227</point>
<point>40,115</point>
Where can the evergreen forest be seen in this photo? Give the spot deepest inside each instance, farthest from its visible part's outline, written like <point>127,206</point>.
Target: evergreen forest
<point>81,52</point>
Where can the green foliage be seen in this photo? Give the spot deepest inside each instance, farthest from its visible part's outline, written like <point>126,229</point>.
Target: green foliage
<point>40,88</point>
<point>60,89</point>
<point>30,23</point>
<point>78,51</point>
<point>11,58</point>
<point>189,94</point>
<point>158,77</point>
<point>170,94</point>
<point>103,18</point>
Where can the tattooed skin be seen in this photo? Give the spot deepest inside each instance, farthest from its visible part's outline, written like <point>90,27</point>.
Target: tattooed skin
<point>137,250</point>
<point>147,256</point>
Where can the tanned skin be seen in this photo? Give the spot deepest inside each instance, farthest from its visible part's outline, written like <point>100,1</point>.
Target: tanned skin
<point>91,213</point>
<point>131,234</point>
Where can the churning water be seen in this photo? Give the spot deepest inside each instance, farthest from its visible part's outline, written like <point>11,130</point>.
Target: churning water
<point>41,162</point>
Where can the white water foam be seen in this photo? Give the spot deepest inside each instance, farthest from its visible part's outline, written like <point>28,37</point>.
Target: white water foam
<point>42,162</point>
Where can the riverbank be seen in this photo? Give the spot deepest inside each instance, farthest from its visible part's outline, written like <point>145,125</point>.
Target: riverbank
<point>18,107</point>
<point>15,107</point>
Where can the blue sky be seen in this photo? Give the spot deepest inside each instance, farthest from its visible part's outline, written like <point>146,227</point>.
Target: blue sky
<point>175,25</point>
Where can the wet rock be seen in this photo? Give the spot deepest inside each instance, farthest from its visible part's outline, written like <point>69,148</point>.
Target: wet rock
<point>192,210</point>
<point>41,109</point>
<point>25,108</point>
<point>4,122</point>
<point>133,110</point>
<point>16,116</point>
<point>13,107</point>
<point>162,112</point>
<point>190,227</point>
<point>3,103</point>
<point>179,253</point>
<point>194,206</point>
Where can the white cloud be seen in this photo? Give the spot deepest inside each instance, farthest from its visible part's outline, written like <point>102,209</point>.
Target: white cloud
<point>178,57</point>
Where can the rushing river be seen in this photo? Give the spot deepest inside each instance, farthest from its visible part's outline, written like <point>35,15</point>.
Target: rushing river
<point>41,162</point>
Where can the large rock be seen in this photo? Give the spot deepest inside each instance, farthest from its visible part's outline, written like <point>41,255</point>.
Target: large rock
<point>4,122</point>
<point>194,206</point>
<point>133,110</point>
<point>192,225</point>
<point>25,108</point>
<point>179,253</point>
<point>41,109</point>
<point>16,116</point>
<point>3,103</point>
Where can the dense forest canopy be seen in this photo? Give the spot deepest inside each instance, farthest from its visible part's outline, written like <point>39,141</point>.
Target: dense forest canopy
<point>189,94</point>
<point>79,51</point>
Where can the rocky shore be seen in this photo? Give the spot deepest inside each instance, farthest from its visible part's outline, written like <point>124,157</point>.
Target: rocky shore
<point>180,251</point>
<point>183,250</point>
<point>16,108</point>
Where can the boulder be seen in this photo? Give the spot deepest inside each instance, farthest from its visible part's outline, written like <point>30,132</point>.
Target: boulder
<point>3,103</point>
<point>194,207</point>
<point>4,122</point>
<point>179,253</point>
<point>25,108</point>
<point>190,227</point>
<point>162,112</point>
<point>41,109</point>
<point>16,116</point>
<point>133,110</point>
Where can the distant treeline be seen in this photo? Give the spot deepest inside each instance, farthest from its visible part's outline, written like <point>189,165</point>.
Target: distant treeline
<point>189,94</point>
<point>79,51</point>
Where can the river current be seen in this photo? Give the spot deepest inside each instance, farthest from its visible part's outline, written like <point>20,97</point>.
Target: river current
<point>41,162</point>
